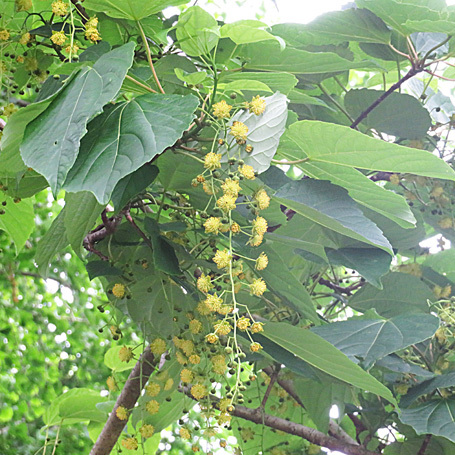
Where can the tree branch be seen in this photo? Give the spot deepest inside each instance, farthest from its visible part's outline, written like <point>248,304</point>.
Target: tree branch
<point>128,398</point>
<point>412,72</point>
<point>81,11</point>
<point>424,446</point>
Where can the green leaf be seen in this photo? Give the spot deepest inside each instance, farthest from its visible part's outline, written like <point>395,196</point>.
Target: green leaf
<point>164,255</point>
<point>133,184</point>
<point>322,355</point>
<point>125,137</point>
<point>53,241</point>
<point>81,212</point>
<point>435,417</point>
<point>101,268</point>
<point>331,206</point>
<point>51,142</point>
<point>245,84</point>
<point>373,339</point>
<point>278,82</point>
<point>18,219</point>
<point>268,56</point>
<point>130,9</point>
<point>264,132</point>
<point>76,405</point>
<point>443,263</point>
<point>246,31</point>
<point>346,147</point>
<point>399,114</point>
<point>197,31</point>
<point>371,263</point>
<point>337,27</point>
<point>191,78</point>
<point>394,299</point>
<point>112,360</point>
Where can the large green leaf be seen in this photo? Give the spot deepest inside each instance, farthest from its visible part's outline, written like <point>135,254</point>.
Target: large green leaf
<point>126,136</point>
<point>81,212</point>
<point>395,298</point>
<point>330,206</point>
<point>344,146</point>
<point>51,141</point>
<point>130,9</point>
<point>399,114</point>
<point>278,82</point>
<point>197,31</point>
<point>443,263</point>
<point>372,339</point>
<point>268,56</point>
<point>359,186</point>
<point>371,263</point>
<point>337,27</point>
<point>18,219</point>
<point>322,355</point>
<point>433,417</point>
<point>112,360</point>
<point>264,132</point>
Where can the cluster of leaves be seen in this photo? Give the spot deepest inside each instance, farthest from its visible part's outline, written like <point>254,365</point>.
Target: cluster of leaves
<point>240,192</point>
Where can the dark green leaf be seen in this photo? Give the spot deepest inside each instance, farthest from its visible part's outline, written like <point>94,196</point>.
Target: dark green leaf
<point>101,268</point>
<point>52,140</point>
<point>125,137</point>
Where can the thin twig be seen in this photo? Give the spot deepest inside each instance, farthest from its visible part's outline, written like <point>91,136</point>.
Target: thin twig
<point>138,229</point>
<point>335,102</point>
<point>424,446</point>
<point>149,57</point>
<point>140,84</point>
<point>81,10</point>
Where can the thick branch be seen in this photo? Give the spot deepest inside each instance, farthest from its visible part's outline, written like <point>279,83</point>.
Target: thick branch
<point>412,72</point>
<point>128,398</point>
<point>80,10</point>
<point>424,446</point>
<point>310,434</point>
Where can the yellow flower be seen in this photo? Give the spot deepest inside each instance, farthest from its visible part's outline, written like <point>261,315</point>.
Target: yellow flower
<point>186,375</point>
<point>111,384</point>
<point>118,290</point>
<point>239,130</point>
<point>243,323</point>
<point>262,199</point>
<point>257,327</point>
<point>125,354</point>
<point>395,179</point>
<point>262,262</point>
<point>256,240</point>
<point>255,347</point>
<point>221,109</point>
<point>224,419</point>
<point>181,358</point>
<point>446,222</point>
<point>257,105</point>
<point>152,407</point>
<point>195,359</point>
<point>187,347</point>
<point>92,34</point>
<point>184,433</point>
<point>248,148</point>
<point>223,328</point>
<point>58,38</point>
<point>92,22</point>
<point>247,171</point>
<point>212,225</point>
<point>213,302</point>
<point>122,413</point>
<point>212,161</point>
<point>204,283</point>
<point>147,431</point>
<point>4,35</point>
<point>72,49</point>
<point>203,309</point>
<point>158,346</point>
<point>224,404</point>
<point>259,225</point>
<point>211,338</point>
<point>20,59</point>
<point>25,38</point>
<point>231,187</point>
<point>59,8</point>
<point>195,326</point>
<point>130,443</point>
<point>23,5</point>
<point>226,203</point>
<point>222,258</point>
<point>258,287</point>
<point>152,389</point>
<point>235,228</point>
<point>199,391</point>
<point>225,309</point>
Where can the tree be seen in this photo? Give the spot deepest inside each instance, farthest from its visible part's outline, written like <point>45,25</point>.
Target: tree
<point>244,205</point>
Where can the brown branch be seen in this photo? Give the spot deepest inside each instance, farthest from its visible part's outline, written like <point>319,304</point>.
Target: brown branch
<point>340,289</point>
<point>128,398</point>
<point>424,446</point>
<point>334,429</point>
<point>81,11</point>
<point>310,434</point>
<point>412,72</point>
<point>138,230</point>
